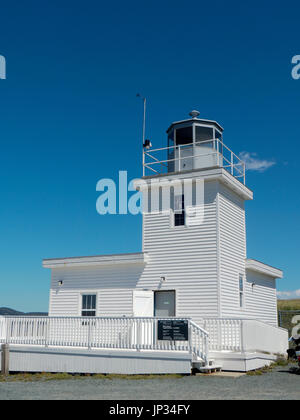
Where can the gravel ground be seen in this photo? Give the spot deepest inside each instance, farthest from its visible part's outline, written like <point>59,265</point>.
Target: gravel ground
<point>277,384</point>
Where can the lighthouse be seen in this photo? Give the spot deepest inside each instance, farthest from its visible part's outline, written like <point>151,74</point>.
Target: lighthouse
<point>203,259</point>
<point>192,288</point>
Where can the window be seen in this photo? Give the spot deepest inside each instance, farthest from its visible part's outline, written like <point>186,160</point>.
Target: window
<point>184,135</point>
<point>241,290</point>
<point>164,303</point>
<point>204,133</point>
<point>88,307</point>
<point>179,213</point>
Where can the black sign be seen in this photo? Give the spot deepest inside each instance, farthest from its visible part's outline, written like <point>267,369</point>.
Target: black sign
<point>172,330</point>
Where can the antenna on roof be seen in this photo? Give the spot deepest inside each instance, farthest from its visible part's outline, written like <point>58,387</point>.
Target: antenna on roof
<point>144,117</point>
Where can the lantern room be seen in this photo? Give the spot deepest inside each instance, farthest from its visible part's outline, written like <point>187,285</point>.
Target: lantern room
<point>194,144</point>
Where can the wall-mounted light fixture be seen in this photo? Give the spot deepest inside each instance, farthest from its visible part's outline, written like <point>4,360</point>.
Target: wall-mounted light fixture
<point>60,282</point>
<point>147,144</point>
<point>162,279</point>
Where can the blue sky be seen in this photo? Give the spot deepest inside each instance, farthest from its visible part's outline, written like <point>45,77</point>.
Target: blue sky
<point>70,116</point>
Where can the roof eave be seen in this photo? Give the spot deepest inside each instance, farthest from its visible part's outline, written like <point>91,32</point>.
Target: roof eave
<point>259,267</point>
<point>96,260</point>
<point>197,120</point>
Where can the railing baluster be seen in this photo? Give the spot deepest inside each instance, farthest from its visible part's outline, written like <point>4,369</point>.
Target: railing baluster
<point>99,332</point>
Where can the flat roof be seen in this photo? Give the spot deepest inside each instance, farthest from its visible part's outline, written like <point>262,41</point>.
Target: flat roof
<point>262,268</point>
<point>130,258</point>
<point>208,174</point>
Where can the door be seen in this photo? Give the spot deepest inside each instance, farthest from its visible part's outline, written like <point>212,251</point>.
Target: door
<point>142,334</point>
<point>142,303</point>
<point>164,304</point>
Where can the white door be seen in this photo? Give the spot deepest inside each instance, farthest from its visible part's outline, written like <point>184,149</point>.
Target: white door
<point>143,303</point>
<point>143,306</point>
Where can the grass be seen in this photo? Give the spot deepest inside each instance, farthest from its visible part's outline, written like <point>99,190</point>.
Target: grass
<point>287,309</point>
<point>268,368</point>
<point>45,376</point>
<point>288,304</point>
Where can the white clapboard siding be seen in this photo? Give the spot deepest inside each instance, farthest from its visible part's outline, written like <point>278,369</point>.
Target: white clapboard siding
<point>201,262</point>
<point>186,257</point>
<point>113,285</point>
<point>261,298</point>
<point>232,249</point>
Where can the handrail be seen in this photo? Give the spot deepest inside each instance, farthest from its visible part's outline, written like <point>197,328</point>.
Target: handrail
<point>199,328</point>
<point>135,333</point>
<point>235,165</point>
<point>243,334</point>
<point>96,317</point>
<point>138,333</point>
<point>199,343</point>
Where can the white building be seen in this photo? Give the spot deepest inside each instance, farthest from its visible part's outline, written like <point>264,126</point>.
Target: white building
<point>193,265</point>
<point>193,269</point>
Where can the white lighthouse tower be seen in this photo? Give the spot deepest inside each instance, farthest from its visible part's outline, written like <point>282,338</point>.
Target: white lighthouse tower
<point>202,260</point>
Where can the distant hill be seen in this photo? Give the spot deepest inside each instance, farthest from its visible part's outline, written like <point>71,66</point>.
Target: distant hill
<point>12,312</point>
<point>289,304</point>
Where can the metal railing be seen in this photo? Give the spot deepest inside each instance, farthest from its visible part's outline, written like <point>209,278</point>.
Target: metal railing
<point>176,158</point>
<point>100,332</point>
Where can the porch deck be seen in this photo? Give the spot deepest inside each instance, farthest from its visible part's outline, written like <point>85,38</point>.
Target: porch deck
<point>132,344</point>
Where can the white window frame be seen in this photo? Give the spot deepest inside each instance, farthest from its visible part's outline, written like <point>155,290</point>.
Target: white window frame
<point>241,291</point>
<point>87,293</point>
<point>177,211</point>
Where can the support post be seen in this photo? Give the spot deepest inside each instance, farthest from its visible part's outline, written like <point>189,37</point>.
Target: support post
<point>242,337</point>
<point>5,359</point>
<point>89,335</point>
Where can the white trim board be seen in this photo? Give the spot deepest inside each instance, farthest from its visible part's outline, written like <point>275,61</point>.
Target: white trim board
<point>262,268</point>
<point>137,258</point>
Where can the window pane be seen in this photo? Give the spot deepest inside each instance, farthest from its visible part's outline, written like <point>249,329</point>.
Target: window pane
<point>184,135</point>
<point>204,133</point>
<point>164,304</point>
<point>241,300</point>
<point>88,303</point>
<point>178,205</point>
<point>218,135</point>
<point>93,301</point>
<point>88,313</point>
<point>241,283</point>
<point>179,219</point>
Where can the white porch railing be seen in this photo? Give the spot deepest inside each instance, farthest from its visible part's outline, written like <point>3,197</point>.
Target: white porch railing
<point>99,332</point>
<point>245,335</point>
<point>214,334</point>
<point>256,336</point>
<point>224,334</point>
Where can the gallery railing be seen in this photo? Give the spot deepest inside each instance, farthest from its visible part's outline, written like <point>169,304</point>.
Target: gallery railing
<point>198,155</point>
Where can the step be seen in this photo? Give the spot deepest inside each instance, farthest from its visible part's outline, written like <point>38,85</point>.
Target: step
<point>210,367</point>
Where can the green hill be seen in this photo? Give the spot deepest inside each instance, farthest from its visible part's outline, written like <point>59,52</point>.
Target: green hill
<point>12,312</point>
<point>289,304</point>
